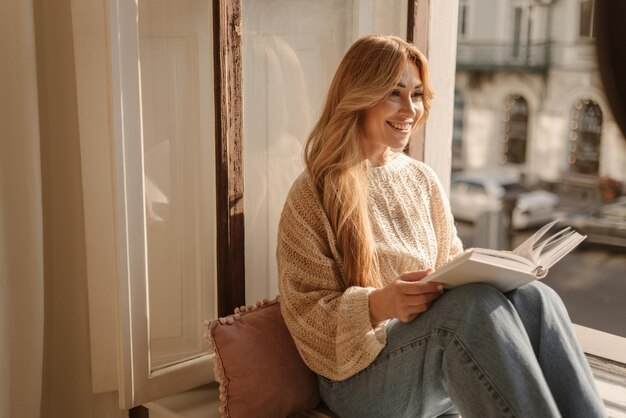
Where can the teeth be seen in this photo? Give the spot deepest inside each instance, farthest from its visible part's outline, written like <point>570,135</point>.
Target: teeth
<point>400,126</point>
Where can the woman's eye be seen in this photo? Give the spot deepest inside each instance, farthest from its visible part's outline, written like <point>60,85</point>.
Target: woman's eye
<point>394,96</point>
<point>417,95</point>
<point>397,95</point>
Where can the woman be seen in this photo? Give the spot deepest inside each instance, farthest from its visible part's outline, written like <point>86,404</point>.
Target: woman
<point>359,230</point>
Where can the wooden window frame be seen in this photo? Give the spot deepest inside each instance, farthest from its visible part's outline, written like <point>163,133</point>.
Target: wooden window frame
<point>229,154</point>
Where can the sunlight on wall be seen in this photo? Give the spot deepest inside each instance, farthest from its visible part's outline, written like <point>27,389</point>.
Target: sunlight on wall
<point>550,146</point>
<point>481,123</point>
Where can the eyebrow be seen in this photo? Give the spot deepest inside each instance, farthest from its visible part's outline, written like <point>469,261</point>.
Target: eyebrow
<point>401,85</point>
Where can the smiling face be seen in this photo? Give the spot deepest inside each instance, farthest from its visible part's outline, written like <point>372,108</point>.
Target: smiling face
<point>388,125</point>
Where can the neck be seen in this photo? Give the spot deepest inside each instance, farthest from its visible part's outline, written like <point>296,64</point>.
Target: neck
<point>380,156</point>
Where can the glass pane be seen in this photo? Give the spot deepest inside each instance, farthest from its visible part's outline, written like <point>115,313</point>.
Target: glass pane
<point>291,51</point>
<point>562,146</point>
<point>176,58</point>
<point>515,130</point>
<point>585,19</point>
<point>585,136</point>
<point>517,31</point>
<point>457,132</point>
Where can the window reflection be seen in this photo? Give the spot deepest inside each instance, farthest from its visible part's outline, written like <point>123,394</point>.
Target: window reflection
<point>178,155</point>
<point>291,50</point>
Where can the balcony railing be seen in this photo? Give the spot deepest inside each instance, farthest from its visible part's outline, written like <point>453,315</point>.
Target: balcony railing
<point>499,56</point>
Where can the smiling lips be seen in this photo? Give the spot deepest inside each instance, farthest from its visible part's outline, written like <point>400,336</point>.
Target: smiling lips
<point>400,126</point>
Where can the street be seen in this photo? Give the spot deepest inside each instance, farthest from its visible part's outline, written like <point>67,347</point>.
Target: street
<point>591,281</point>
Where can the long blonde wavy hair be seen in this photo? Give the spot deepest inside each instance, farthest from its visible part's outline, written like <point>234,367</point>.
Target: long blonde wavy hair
<point>333,153</point>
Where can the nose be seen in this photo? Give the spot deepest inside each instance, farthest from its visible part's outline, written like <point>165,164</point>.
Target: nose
<point>408,107</point>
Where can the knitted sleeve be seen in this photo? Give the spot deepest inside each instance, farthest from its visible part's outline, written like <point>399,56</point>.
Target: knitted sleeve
<point>449,243</point>
<point>330,324</point>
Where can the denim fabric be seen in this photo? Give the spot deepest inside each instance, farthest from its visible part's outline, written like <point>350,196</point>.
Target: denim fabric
<point>481,352</point>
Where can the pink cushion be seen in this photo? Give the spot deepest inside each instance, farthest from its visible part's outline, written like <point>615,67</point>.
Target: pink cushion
<point>258,366</point>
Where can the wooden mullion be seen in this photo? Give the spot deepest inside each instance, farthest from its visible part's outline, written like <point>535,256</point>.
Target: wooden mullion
<point>229,155</point>
<point>417,34</point>
<point>410,24</point>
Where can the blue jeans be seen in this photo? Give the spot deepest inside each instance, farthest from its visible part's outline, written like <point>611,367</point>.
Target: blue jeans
<point>479,352</point>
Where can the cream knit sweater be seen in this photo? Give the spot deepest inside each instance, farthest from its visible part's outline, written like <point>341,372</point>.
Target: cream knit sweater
<point>413,229</point>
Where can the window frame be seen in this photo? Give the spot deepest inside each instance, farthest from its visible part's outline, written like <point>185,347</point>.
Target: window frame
<point>227,38</point>
<point>137,382</point>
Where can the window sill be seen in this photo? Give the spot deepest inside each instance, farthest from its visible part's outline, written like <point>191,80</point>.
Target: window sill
<point>200,402</point>
<point>607,357</point>
<point>603,345</point>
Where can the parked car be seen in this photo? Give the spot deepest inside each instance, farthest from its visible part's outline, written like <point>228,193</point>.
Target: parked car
<point>472,194</point>
<point>605,225</point>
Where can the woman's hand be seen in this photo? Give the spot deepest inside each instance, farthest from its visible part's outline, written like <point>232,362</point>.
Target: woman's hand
<point>404,298</point>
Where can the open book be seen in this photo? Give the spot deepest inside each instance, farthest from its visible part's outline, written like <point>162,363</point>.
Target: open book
<point>508,270</point>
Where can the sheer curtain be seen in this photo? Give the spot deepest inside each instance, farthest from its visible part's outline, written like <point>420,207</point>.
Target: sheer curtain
<point>21,229</point>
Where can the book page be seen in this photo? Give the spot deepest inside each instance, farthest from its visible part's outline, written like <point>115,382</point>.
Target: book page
<point>528,249</point>
<point>559,248</point>
<point>507,258</point>
<point>545,251</point>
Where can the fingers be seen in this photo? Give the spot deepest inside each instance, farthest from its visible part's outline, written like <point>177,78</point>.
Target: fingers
<point>417,288</point>
<point>413,285</point>
<point>409,314</point>
<point>411,296</point>
<point>413,301</point>
<point>415,276</point>
<point>409,305</point>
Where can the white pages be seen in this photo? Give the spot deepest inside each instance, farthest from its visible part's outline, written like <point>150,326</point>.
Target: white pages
<point>508,270</point>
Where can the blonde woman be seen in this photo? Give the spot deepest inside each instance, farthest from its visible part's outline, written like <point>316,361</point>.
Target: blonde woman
<point>361,227</point>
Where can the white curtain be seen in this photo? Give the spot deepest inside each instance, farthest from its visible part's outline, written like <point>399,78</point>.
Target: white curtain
<point>21,226</point>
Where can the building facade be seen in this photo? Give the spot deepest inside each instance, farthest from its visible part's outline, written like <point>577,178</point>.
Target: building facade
<point>528,93</point>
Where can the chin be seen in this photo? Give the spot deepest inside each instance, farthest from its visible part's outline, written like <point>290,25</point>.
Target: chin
<point>398,145</point>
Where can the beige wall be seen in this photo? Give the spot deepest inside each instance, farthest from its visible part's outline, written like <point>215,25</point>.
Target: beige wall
<point>67,373</point>
<point>21,229</point>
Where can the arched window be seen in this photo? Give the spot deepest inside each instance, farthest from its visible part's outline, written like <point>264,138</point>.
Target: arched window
<point>457,132</point>
<point>515,135</point>
<point>584,137</point>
